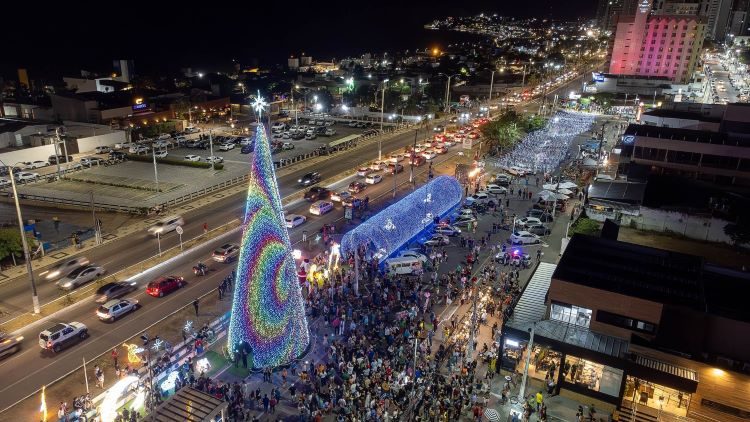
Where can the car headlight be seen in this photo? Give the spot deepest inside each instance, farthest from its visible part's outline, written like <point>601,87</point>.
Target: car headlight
<point>299,180</point>
<point>68,284</point>
<point>53,274</point>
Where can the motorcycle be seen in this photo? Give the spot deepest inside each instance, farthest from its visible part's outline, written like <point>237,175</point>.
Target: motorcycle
<point>200,270</point>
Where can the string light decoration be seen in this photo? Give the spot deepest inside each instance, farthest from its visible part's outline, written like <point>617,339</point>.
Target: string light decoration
<point>267,309</point>
<point>435,199</point>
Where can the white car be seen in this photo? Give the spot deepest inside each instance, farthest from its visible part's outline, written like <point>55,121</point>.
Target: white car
<point>429,154</point>
<point>116,308</point>
<point>160,144</point>
<point>164,136</point>
<point>4,183</point>
<point>226,147</point>
<point>496,190</point>
<point>64,268</point>
<point>166,225</point>
<point>377,166</point>
<point>62,335</point>
<point>161,154</point>
<point>395,158</point>
<point>437,240</point>
<point>321,207</point>
<point>413,254</point>
<point>479,197</point>
<point>278,127</point>
<point>39,164</point>
<point>528,221</point>
<point>192,157</point>
<point>214,159</point>
<point>294,220</point>
<point>447,230</point>
<point>524,238</point>
<point>123,145</point>
<point>340,196</point>
<point>140,149</point>
<point>26,177</point>
<point>372,179</point>
<point>102,149</point>
<point>363,171</point>
<point>80,276</point>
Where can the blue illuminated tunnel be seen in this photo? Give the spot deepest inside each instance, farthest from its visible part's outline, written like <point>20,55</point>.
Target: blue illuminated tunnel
<point>389,230</point>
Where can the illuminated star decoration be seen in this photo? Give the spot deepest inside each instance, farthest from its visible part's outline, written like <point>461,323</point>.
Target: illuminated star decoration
<point>427,218</point>
<point>259,104</point>
<point>158,343</point>
<point>428,199</point>
<point>267,309</point>
<point>389,225</point>
<point>188,328</point>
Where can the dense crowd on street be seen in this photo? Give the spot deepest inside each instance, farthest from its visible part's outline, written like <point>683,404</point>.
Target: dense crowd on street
<point>545,149</point>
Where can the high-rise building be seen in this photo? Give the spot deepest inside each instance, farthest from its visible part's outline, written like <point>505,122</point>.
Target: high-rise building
<point>738,18</point>
<point>716,13</point>
<point>609,11</point>
<point>657,45</point>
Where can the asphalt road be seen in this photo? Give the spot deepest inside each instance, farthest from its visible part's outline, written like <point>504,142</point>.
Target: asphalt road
<point>47,367</point>
<point>32,367</point>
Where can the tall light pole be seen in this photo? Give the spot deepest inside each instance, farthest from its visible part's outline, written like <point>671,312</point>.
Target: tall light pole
<point>24,242</point>
<point>211,147</point>
<point>492,82</point>
<point>382,113</point>
<point>156,172</point>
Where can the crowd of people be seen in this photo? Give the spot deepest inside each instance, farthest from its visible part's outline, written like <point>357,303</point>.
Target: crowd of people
<point>545,149</point>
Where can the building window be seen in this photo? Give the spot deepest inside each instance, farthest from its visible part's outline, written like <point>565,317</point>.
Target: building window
<point>592,375</point>
<point>571,314</point>
<point>625,322</point>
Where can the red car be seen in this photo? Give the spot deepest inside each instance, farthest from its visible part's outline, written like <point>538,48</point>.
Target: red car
<point>165,285</point>
<point>357,187</point>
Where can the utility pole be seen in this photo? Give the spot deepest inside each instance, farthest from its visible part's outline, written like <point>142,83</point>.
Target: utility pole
<point>24,242</point>
<point>156,172</point>
<point>529,351</point>
<point>492,82</point>
<point>211,147</point>
<point>412,157</point>
<point>97,233</point>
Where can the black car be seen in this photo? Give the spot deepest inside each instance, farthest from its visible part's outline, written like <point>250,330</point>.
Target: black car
<point>117,155</point>
<point>247,149</point>
<point>114,290</point>
<point>316,193</point>
<point>395,168</point>
<point>356,187</point>
<point>309,179</point>
<point>55,159</point>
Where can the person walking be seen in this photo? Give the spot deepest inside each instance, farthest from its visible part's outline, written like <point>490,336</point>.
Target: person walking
<point>114,357</point>
<point>205,228</point>
<point>195,306</point>
<point>99,374</point>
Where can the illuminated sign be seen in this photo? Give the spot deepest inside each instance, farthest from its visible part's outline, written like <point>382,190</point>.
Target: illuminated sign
<point>644,6</point>
<point>598,77</point>
<point>628,140</point>
<point>140,107</point>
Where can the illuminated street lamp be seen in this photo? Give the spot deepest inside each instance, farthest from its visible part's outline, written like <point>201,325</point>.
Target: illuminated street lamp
<point>382,111</point>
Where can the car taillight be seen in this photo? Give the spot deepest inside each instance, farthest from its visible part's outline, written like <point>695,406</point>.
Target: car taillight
<point>49,344</point>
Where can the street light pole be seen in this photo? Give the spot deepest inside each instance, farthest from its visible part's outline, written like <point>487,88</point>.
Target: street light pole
<point>211,147</point>
<point>156,172</point>
<point>382,113</point>
<point>97,234</point>
<point>492,82</point>
<point>24,242</point>
<point>448,94</point>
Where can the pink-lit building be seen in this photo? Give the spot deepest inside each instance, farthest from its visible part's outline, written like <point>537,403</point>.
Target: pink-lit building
<point>650,44</point>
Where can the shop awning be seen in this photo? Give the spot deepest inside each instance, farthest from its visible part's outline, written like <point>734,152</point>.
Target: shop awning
<point>190,405</point>
<point>582,337</point>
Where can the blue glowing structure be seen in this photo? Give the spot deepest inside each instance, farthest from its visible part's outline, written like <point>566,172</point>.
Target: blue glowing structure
<point>394,227</point>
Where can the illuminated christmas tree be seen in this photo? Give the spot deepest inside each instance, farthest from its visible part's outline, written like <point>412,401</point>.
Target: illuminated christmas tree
<point>268,314</point>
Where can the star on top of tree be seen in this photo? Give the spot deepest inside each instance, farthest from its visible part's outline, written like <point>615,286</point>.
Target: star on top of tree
<point>258,104</point>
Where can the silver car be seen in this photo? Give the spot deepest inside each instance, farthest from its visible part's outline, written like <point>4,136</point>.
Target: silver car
<point>81,276</point>
<point>64,268</point>
<point>114,309</point>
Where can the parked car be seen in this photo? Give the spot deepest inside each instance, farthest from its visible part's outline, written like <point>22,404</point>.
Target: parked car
<point>542,215</point>
<point>59,159</point>
<point>321,207</point>
<point>247,149</point>
<point>429,154</point>
<point>4,183</point>
<point>166,225</point>
<point>102,149</point>
<point>62,335</point>
<point>447,230</point>
<point>226,253</point>
<point>527,221</point>
<point>294,220</point>
<point>25,177</point>
<point>226,146</point>
<point>464,220</point>
<point>161,154</point>
<point>538,229</point>
<point>287,146</point>
<point>316,193</point>
<point>91,161</point>
<point>351,201</point>
<point>309,179</point>
<point>480,197</point>
<point>64,268</point>
<point>164,285</point>
<point>524,238</point>
<point>192,157</point>
<point>437,240</point>
<point>114,290</point>
<point>80,276</point>
<point>413,254</point>
<point>214,159</point>
<point>357,187</point>
<point>116,308</point>
<point>496,189</point>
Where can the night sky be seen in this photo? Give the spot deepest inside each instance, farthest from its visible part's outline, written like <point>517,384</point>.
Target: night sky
<point>168,35</point>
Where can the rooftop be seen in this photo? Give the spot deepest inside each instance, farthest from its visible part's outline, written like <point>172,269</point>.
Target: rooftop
<point>657,275</point>
<point>617,191</point>
<point>679,114</point>
<point>686,135</point>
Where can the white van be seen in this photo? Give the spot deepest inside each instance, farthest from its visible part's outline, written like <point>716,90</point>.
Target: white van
<point>403,265</point>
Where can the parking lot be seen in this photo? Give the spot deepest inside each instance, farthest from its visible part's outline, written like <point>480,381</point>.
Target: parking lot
<point>134,183</point>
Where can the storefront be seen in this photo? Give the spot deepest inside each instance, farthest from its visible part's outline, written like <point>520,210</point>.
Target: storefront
<point>593,376</point>
<point>659,397</point>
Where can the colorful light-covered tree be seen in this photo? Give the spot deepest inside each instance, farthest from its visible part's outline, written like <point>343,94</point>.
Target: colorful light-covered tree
<point>267,311</point>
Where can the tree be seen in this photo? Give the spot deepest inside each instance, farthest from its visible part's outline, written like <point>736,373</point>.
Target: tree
<point>10,243</point>
<point>585,226</point>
